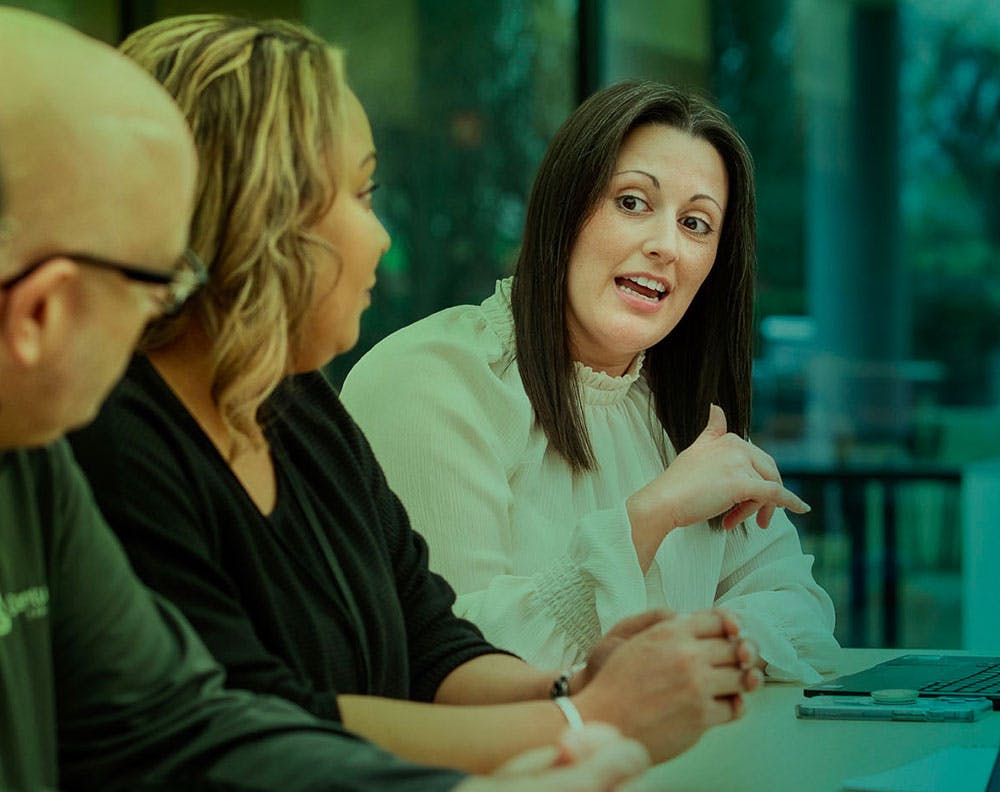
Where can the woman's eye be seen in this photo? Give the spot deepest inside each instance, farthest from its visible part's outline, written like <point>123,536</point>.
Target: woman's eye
<point>631,203</point>
<point>696,224</point>
<point>366,194</point>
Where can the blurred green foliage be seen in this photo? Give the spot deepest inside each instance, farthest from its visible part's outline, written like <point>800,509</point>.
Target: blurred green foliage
<point>456,177</point>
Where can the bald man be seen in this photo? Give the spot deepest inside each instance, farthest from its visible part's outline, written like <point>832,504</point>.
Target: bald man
<point>102,684</point>
<point>97,161</point>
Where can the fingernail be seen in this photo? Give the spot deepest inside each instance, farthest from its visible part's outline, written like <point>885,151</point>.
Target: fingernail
<point>565,755</point>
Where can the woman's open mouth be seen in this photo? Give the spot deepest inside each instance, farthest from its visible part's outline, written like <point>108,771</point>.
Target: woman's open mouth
<point>646,288</point>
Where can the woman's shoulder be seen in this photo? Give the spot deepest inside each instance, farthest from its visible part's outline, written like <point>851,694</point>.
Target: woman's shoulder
<point>139,408</point>
<point>145,453</point>
<point>484,331</point>
<point>471,344</point>
<point>308,405</point>
<point>453,369</point>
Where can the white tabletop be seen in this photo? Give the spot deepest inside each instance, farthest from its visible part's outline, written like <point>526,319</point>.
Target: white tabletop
<point>770,749</point>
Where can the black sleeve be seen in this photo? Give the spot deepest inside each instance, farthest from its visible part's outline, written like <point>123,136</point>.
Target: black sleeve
<point>170,512</point>
<point>439,640</point>
<point>140,701</point>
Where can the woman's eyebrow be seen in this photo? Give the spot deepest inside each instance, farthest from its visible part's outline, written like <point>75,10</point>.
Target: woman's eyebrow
<point>656,184</point>
<point>699,196</point>
<point>650,176</point>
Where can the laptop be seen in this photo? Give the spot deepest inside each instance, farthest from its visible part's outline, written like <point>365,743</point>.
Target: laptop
<point>929,674</point>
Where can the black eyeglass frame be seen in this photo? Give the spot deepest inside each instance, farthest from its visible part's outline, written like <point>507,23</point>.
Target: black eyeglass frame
<point>185,279</point>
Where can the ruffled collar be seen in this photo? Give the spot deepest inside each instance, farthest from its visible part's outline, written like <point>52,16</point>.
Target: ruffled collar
<point>596,387</point>
<point>498,313</point>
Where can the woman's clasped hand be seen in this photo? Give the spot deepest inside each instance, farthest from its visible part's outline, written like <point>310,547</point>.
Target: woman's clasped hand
<point>669,677</point>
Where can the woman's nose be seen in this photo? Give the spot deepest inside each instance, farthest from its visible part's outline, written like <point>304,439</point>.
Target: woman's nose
<point>386,238</point>
<point>662,241</point>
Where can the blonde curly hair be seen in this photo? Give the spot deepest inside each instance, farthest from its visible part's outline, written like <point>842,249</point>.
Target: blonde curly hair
<point>265,102</point>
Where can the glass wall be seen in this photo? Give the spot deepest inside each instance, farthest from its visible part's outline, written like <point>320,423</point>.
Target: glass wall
<point>875,126</point>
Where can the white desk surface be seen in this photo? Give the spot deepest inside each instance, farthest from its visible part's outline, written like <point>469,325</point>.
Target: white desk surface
<point>770,749</point>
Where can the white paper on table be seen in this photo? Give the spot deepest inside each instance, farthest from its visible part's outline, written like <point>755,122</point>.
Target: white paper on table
<point>954,769</point>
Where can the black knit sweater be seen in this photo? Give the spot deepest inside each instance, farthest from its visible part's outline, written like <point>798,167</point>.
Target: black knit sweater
<point>259,589</point>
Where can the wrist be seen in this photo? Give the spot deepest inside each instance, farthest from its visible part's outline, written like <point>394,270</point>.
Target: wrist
<point>574,719</point>
<point>559,693</point>
<point>580,677</point>
<point>649,522</point>
<point>649,511</point>
<point>560,686</point>
<point>570,681</point>
<point>592,710</point>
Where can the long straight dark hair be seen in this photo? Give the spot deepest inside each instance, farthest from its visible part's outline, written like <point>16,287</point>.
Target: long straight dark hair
<point>706,358</point>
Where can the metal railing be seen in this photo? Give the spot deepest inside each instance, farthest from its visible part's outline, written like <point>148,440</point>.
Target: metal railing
<point>849,489</point>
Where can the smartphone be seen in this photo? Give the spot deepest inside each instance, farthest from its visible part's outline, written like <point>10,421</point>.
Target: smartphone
<point>944,708</point>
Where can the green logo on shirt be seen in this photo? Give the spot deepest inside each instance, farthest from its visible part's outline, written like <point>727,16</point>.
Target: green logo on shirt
<point>32,603</point>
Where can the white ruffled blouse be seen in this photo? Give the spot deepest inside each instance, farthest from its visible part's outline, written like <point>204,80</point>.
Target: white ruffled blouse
<point>542,559</point>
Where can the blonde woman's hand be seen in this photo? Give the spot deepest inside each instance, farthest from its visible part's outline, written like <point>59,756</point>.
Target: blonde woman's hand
<point>669,683</point>
<point>612,640</point>
<point>719,473</point>
<point>746,650</point>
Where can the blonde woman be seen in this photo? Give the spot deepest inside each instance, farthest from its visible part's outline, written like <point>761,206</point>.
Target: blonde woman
<point>243,491</point>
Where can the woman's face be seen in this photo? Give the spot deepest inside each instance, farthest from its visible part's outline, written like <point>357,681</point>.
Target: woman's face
<point>642,256</point>
<point>345,277</point>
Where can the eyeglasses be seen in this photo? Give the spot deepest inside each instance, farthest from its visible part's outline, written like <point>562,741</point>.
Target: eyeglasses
<point>189,275</point>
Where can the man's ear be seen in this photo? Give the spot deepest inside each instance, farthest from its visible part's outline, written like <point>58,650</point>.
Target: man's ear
<point>36,312</point>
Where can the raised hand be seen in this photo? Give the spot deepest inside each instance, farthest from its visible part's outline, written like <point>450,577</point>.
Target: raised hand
<point>719,473</point>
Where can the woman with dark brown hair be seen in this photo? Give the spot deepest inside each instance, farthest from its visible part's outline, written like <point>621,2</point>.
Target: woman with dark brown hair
<point>575,449</point>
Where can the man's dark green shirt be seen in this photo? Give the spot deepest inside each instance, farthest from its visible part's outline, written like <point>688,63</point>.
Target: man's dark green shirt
<point>103,685</point>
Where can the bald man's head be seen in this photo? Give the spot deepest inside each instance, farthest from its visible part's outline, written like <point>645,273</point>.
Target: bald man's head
<point>97,165</point>
<point>94,155</point>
